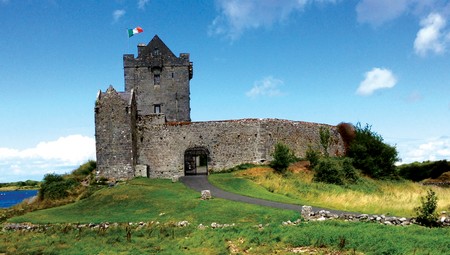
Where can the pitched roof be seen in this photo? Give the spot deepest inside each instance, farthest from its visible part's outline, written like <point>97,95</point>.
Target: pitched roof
<point>156,45</point>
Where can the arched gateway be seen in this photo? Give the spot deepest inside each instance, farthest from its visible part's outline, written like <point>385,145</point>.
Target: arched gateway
<point>196,161</point>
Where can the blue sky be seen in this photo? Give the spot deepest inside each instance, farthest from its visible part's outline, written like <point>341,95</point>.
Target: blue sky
<point>381,62</point>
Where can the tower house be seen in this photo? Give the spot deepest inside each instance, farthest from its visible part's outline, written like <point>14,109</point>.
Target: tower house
<point>115,135</point>
<point>160,80</point>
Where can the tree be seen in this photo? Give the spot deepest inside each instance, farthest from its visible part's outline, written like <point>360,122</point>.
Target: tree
<point>371,155</point>
<point>282,158</point>
<point>426,214</point>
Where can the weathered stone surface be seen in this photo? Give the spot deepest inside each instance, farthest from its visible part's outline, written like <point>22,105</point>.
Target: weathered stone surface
<point>141,171</point>
<point>206,194</point>
<point>147,130</point>
<point>306,212</point>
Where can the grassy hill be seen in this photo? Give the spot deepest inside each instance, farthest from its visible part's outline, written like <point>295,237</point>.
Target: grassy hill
<point>145,200</point>
<point>257,230</point>
<point>397,198</point>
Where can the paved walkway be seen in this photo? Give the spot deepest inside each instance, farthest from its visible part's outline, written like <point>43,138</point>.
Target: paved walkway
<point>200,182</point>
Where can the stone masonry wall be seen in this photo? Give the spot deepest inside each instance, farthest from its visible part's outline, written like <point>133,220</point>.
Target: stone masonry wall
<point>115,120</point>
<point>162,147</point>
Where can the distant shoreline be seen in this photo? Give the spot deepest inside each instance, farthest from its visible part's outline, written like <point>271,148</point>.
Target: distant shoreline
<point>15,188</point>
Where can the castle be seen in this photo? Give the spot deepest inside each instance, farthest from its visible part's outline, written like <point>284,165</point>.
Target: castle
<point>147,130</point>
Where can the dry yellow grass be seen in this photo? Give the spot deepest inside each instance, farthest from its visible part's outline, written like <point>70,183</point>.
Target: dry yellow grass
<point>377,197</point>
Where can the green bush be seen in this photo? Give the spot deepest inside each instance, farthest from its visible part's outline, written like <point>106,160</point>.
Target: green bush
<point>325,139</point>
<point>420,171</point>
<point>85,169</point>
<point>312,156</point>
<point>282,158</point>
<point>328,171</point>
<point>338,171</point>
<point>426,214</point>
<point>54,186</point>
<point>371,155</point>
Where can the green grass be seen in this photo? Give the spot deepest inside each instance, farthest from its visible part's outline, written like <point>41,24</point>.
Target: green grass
<point>245,239</point>
<point>243,186</point>
<point>397,198</point>
<point>153,199</point>
<point>160,200</point>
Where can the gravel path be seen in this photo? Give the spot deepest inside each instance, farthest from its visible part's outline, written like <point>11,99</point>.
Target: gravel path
<point>200,182</point>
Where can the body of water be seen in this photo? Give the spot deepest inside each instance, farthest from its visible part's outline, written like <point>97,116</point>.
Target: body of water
<point>10,198</point>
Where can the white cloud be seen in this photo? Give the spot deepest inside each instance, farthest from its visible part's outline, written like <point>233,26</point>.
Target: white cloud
<point>117,14</point>
<point>377,12</point>
<point>430,149</point>
<point>237,16</point>
<point>142,4</point>
<point>431,37</point>
<point>268,86</point>
<point>377,78</point>
<point>60,156</point>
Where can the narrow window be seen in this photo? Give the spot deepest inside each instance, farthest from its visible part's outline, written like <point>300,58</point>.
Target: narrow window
<point>157,79</point>
<point>157,108</point>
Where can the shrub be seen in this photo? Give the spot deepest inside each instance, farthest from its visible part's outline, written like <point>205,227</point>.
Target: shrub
<point>371,155</point>
<point>338,171</point>
<point>86,168</point>
<point>426,214</point>
<point>325,139</point>
<point>282,158</point>
<point>349,171</point>
<point>54,186</point>
<point>328,171</point>
<point>312,156</point>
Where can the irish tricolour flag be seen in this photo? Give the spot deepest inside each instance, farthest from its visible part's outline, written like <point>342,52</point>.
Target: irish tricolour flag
<point>134,31</point>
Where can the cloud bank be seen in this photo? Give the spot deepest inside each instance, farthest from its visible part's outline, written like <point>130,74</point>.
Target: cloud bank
<point>430,149</point>
<point>59,156</point>
<point>377,78</point>
<point>267,87</point>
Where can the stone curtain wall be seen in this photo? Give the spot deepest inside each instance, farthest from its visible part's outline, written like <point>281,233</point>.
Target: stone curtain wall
<point>162,147</point>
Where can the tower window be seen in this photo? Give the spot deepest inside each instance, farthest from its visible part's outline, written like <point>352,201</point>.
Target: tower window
<point>157,79</point>
<point>157,108</point>
<point>156,52</point>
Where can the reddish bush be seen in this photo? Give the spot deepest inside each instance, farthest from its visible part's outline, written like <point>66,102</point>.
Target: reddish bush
<point>347,132</point>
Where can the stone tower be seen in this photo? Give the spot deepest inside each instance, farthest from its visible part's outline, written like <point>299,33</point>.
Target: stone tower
<point>115,121</point>
<point>160,80</point>
<point>147,130</point>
